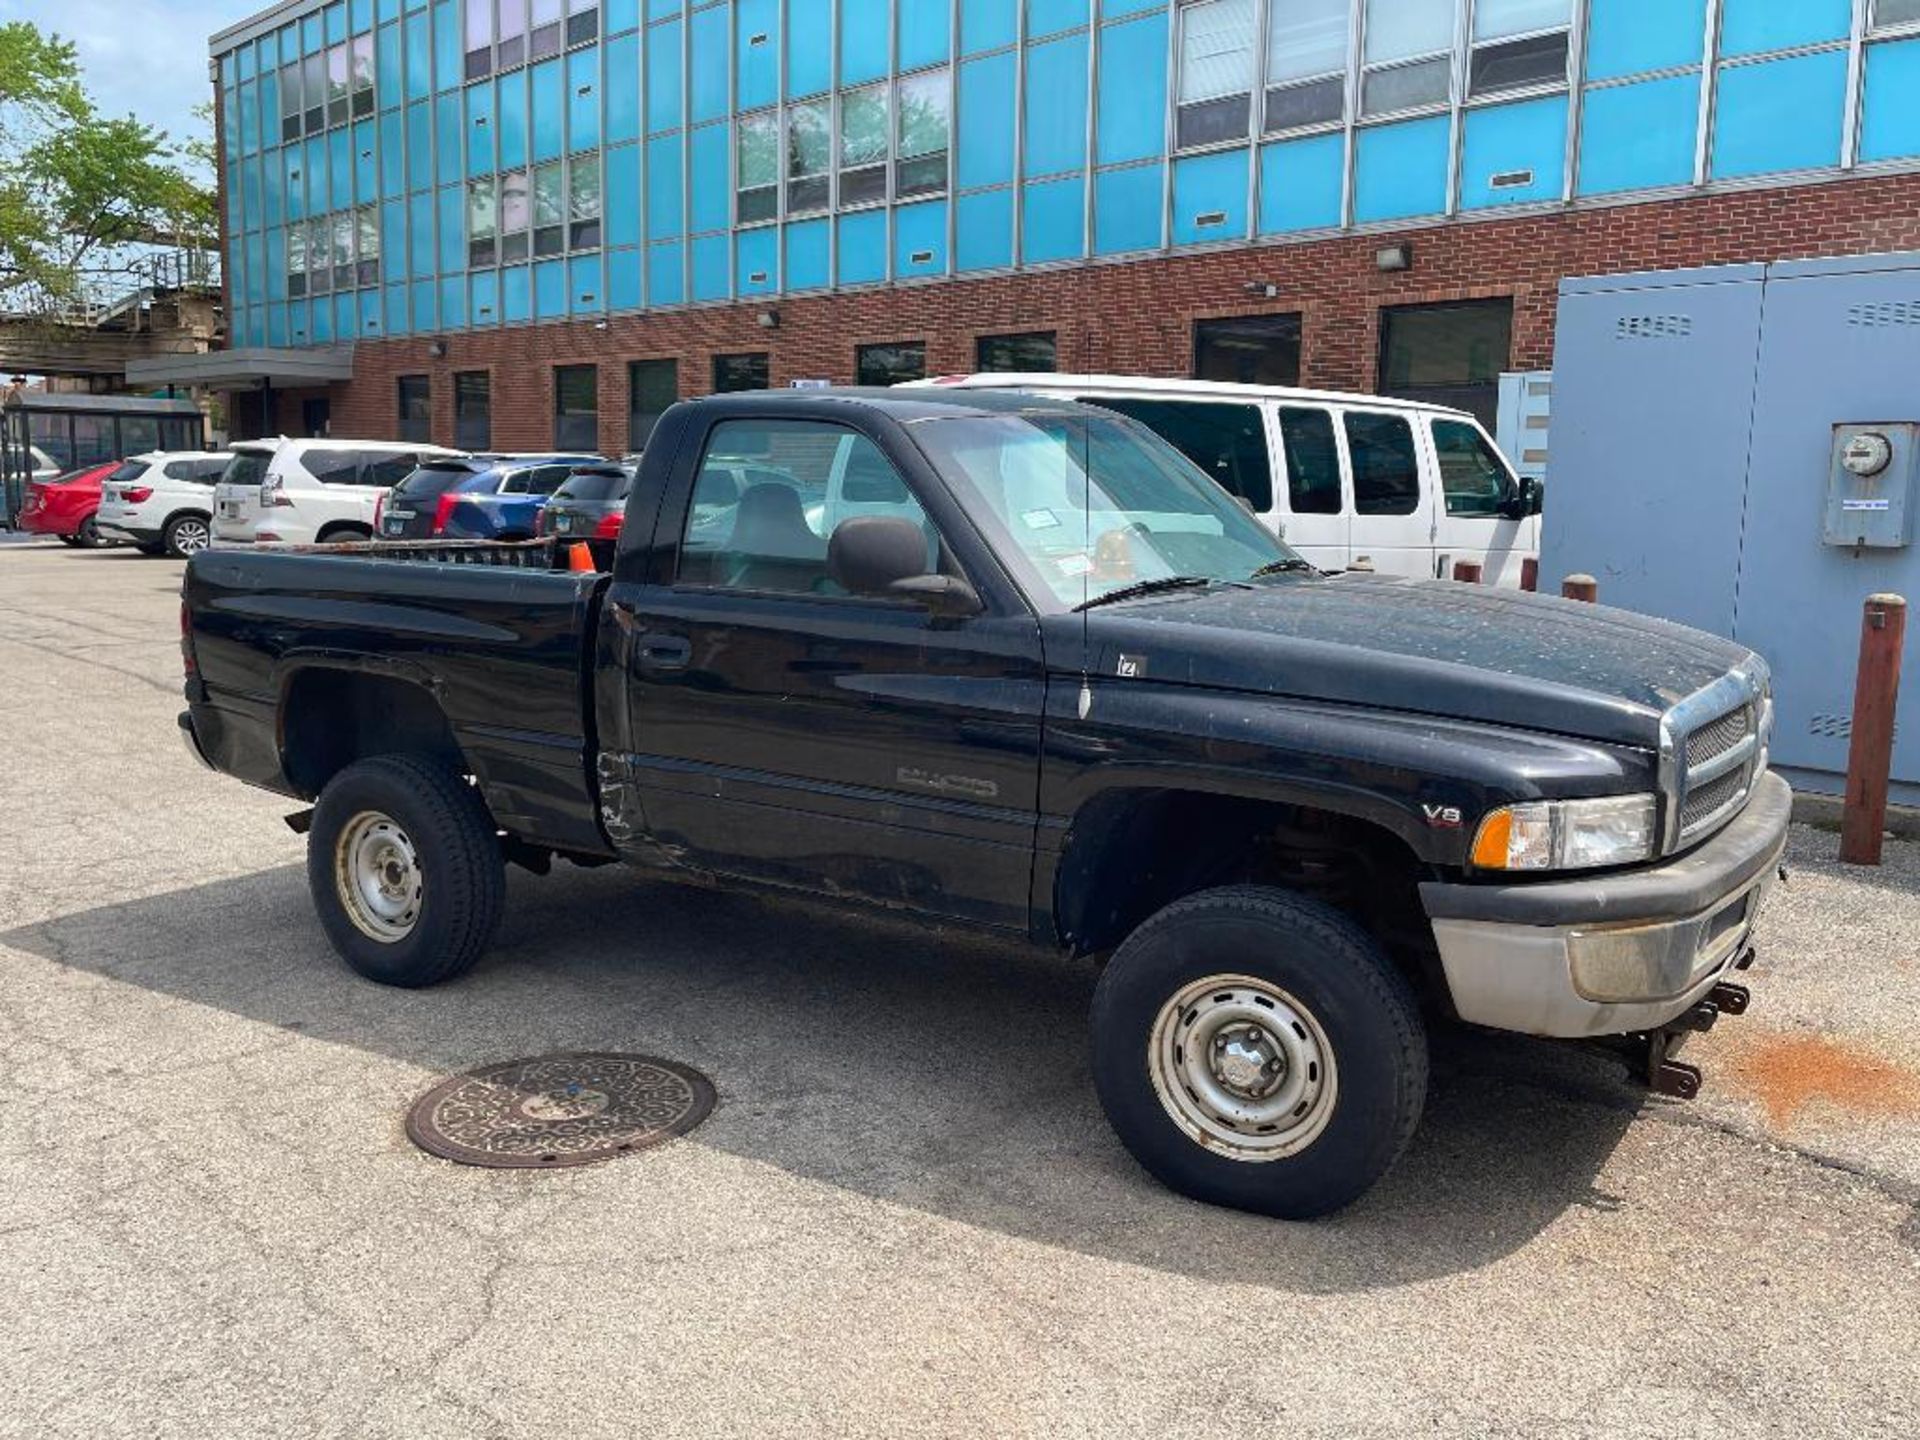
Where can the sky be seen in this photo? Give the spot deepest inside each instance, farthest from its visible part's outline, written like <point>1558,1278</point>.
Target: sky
<point>147,58</point>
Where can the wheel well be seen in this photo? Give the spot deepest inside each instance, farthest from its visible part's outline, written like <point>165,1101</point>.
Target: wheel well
<point>185,511</point>
<point>1133,853</point>
<point>342,527</point>
<point>332,718</point>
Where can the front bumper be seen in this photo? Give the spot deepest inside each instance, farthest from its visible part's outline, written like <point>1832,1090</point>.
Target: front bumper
<point>1613,953</point>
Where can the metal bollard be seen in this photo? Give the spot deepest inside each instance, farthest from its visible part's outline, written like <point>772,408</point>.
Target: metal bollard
<point>1581,587</point>
<point>1883,629</point>
<point>1530,573</point>
<point>1467,571</point>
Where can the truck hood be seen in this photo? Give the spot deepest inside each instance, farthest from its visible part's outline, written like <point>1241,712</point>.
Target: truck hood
<point>1432,647</point>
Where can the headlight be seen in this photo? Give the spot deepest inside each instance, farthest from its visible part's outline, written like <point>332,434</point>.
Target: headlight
<point>1567,834</point>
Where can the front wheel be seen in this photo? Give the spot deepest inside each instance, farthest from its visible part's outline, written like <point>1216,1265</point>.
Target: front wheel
<point>88,536</point>
<point>186,535</point>
<point>1258,1050</point>
<point>404,866</point>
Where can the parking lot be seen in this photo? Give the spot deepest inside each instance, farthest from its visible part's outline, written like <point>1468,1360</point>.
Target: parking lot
<point>905,1217</point>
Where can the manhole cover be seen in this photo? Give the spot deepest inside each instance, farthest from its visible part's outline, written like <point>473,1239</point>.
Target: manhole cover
<point>559,1110</point>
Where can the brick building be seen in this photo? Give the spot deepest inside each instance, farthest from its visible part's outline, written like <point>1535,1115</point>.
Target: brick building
<point>483,222</point>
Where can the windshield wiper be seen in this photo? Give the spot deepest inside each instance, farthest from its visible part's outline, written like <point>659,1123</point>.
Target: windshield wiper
<point>1282,567</point>
<point>1146,587</point>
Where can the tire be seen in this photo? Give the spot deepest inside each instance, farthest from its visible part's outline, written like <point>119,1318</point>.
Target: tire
<point>186,534</point>
<point>443,903</point>
<point>150,548</point>
<point>1298,1006</point>
<point>72,541</point>
<point>343,535</point>
<point>87,537</point>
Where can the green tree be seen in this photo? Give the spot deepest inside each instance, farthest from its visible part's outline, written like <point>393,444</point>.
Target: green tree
<point>81,192</point>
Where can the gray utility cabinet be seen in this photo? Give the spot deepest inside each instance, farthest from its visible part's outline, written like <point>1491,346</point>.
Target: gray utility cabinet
<point>1737,448</point>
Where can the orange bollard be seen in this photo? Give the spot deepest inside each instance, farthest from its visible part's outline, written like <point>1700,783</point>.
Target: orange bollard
<point>1467,571</point>
<point>1581,587</point>
<point>1530,573</point>
<point>1876,688</point>
<point>580,558</point>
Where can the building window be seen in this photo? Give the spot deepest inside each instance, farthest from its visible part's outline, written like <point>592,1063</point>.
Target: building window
<point>733,373</point>
<point>1518,45</point>
<point>296,261</point>
<point>1447,354</point>
<point>545,211</point>
<point>1032,353</point>
<point>506,34</point>
<point>549,209</point>
<point>865,121</point>
<point>890,364</point>
<point>360,66</point>
<point>1888,14</point>
<point>576,407</point>
<point>483,223</point>
<point>1248,349</point>
<point>757,162</point>
<point>1215,84</point>
<point>366,248</point>
<point>290,108</point>
<point>1306,63</point>
<point>921,143</point>
<point>415,407</point>
<point>1409,55</point>
<point>473,410</point>
<point>809,158</point>
<point>652,387</point>
<point>583,203</point>
<point>335,252</point>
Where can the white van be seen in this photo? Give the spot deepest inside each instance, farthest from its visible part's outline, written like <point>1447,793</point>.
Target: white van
<point>1345,480</point>
<point>309,491</point>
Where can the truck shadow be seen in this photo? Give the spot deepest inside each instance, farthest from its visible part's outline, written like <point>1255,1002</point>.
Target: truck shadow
<point>937,1071</point>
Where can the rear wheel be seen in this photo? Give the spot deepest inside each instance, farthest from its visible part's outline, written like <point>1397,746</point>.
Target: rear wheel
<point>344,534</point>
<point>87,537</point>
<point>404,866</point>
<point>1258,1050</point>
<point>186,534</point>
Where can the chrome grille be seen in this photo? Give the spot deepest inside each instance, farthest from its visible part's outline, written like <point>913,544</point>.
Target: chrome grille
<point>1705,801</point>
<point>1717,760</point>
<point>1717,737</point>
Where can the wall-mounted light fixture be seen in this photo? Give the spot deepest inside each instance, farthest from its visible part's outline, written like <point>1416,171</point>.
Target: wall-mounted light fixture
<point>1389,258</point>
<point>1264,289</point>
<point>769,319</point>
<point>437,349</point>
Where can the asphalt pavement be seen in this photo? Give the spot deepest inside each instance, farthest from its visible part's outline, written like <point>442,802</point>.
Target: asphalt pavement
<point>906,1216</point>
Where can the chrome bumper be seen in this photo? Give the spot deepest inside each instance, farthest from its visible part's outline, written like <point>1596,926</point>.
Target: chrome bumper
<point>1616,953</point>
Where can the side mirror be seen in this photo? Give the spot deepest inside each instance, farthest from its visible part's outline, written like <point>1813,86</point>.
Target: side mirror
<point>1523,500</point>
<point>886,555</point>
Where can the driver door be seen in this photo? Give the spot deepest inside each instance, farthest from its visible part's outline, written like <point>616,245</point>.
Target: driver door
<point>1475,485</point>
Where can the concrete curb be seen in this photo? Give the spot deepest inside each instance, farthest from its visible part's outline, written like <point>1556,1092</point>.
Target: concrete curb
<point>1903,821</point>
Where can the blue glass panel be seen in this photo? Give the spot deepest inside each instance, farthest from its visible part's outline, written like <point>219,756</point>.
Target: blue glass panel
<point>393,240</point>
<point>393,154</point>
<point>276,253</point>
<point>480,130</point>
<point>250,193</point>
<point>420,237</point>
<point>1509,141</point>
<point>622,207</point>
<point>626,285</point>
<point>413,5</point>
<point>663,77</point>
<point>712,195</point>
<point>666,274</point>
<point>1053,221</point>
<point>419,51</point>
<point>1210,197</point>
<point>336,23</point>
<point>1779,115</point>
<point>863,247</point>
<point>276,325</point>
<point>1300,184</point>
<point>293,165</point>
<point>270,107</point>
<point>622,15</point>
<point>273,190</point>
<point>920,239</point>
<point>662,9</point>
<point>583,99</point>
<point>366,163</point>
<point>586,291</point>
<point>453,229</point>
<point>1401,170</point>
<point>486,298</point>
<point>249,110</point>
<point>340,158</point>
<point>423,294</point>
<point>808,260</point>
<point>1133,90</point>
<point>983,231</point>
<point>987,24</point>
<point>447,61</point>
<point>1752,27</point>
<point>623,89</point>
<point>1891,127</point>
<point>707,86</point>
<point>311,38</point>
<point>360,16</point>
<point>1640,136</point>
<point>449,129</point>
<point>984,135</point>
<point>420,142</point>
<point>243,61</point>
<point>758,53</point>
<point>349,311</point>
<point>924,37</point>
<point>863,45</point>
<point>510,117</point>
<point>711,267</point>
<point>1056,114</point>
<point>665,210</point>
<point>1126,209</point>
<point>810,46</point>
<point>298,325</point>
<point>516,294</point>
<point>1626,37</point>
<point>755,269</point>
<point>395,309</point>
<point>550,289</point>
<point>1046,17</point>
<point>387,10</point>
<point>549,111</point>
<point>320,322</point>
<point>453,301</point>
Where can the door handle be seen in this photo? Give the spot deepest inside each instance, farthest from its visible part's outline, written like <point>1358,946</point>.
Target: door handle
<point>660,653</point>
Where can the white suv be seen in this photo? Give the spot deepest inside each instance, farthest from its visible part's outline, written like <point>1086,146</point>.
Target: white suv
<point>309,491</point>
<point>162,500</point>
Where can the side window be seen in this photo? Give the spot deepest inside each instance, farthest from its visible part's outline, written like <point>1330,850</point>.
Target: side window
<point>514,482</point>
<point>1386,467</point>
<point>759,518</point>
<point>381,469</point>
<point>1472,474</point>
<point>178,469</point>
<point>208,472</point>
<point>1228,442</point>
<point>334,467</point>
<point>1313,461</point>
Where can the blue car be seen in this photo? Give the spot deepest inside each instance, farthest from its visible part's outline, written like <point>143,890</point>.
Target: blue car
<point>474,497</point>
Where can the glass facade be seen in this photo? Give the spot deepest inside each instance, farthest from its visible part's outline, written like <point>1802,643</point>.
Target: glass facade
<point>416,166</point>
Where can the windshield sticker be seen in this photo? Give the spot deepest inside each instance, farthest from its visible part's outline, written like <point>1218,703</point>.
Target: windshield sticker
<point>1076,564</point>
<point>1040,519</point>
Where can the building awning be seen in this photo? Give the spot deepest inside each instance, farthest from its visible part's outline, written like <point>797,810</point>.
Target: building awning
<point>247,369</point>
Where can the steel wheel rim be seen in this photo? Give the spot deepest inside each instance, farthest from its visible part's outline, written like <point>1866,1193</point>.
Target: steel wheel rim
<point>376,873</point>
<point>1243,1068</point>
<point>190,536</point>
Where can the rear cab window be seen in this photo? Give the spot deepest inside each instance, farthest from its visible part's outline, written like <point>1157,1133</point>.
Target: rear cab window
<point>1227,441</point>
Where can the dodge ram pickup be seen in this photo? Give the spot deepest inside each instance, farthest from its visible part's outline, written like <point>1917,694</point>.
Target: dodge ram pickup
<point>1010,664</point>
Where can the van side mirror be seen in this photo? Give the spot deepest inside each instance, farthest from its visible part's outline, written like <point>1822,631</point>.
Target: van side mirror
<point>1522,500</point>
<point>886,556</point>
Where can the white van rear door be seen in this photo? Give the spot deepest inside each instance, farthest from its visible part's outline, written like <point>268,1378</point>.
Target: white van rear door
<point>1475,483</point>
<point>1313,502</point>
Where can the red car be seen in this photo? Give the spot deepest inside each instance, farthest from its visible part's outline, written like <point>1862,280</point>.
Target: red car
<point>65,505</point>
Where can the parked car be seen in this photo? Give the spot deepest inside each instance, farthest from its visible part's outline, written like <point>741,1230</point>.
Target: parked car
<point>162,501</point>
<point>480,497</point>
<point>590,502</point>
<point>45,467</point>
<point>1034,674</point>
<point>309,490</point>
<point>66,505</point>
<point>1345,480</point>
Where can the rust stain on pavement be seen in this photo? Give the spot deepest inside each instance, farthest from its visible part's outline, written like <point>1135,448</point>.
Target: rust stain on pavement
<point>1787,1072</point>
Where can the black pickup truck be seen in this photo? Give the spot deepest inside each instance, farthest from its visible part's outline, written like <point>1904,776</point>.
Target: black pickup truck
<point>1016,665</point>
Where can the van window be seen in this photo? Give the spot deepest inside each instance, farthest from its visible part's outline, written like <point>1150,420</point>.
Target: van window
<point>1475,479</point>
<point>1228,442</point>
<point>1386,467</point>
<point>1313,461</point>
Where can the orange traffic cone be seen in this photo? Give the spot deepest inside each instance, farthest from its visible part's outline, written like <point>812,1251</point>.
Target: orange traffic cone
<point>580,558</point>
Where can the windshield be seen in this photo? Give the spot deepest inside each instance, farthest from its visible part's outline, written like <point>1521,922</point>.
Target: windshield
<point>1083,507</point>
<point>248,467</point>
